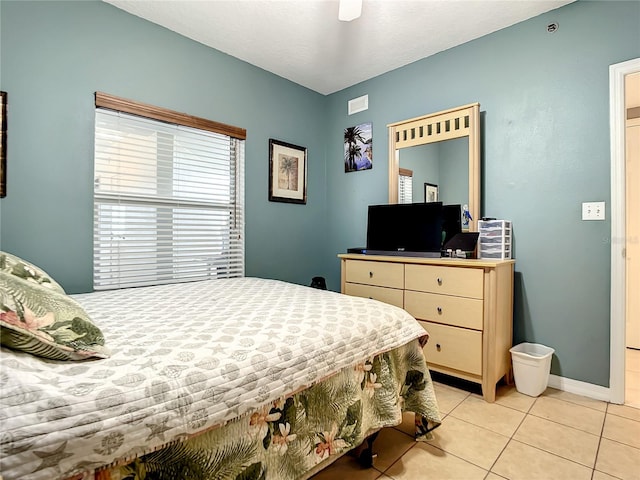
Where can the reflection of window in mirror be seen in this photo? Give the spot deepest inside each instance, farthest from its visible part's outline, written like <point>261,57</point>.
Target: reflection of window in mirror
<point>3,144</point>
<point>405,186</point>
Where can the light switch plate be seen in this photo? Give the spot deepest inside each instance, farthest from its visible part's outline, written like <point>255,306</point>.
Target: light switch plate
<point>593,211</point>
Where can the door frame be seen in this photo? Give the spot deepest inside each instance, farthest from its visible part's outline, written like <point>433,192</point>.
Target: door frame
<point>617,73</point>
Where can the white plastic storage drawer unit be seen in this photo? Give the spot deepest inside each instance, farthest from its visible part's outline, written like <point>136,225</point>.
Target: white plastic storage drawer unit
<point>495,239</point>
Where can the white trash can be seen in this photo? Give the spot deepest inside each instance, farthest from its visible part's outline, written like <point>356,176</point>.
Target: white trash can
<point>531,367</point>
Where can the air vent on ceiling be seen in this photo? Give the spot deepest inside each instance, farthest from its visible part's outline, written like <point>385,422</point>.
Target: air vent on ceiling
<point>359,104</point>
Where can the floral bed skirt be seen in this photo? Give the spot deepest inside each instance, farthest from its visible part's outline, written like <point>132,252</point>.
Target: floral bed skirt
<point>294,437</point>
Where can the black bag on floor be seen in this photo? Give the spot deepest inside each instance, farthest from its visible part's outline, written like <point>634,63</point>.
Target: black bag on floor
<point>319,283</point>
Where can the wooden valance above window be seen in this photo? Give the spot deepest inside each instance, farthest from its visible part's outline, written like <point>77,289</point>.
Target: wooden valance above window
<point>105,100</point>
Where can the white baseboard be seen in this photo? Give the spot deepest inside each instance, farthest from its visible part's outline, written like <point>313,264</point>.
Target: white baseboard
<point>590,390</point>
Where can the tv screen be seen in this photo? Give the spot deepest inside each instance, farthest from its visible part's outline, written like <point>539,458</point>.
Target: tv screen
<point>451,222</point>
<point>413,229</point>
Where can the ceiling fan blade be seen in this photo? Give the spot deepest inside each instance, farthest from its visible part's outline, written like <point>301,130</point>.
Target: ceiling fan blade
<point>349,10</point>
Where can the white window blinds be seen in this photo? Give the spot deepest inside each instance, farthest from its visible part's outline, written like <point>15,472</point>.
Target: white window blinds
<point>168,202</point>
<point>405,186</point>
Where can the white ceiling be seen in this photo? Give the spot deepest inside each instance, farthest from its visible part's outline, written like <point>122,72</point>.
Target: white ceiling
<point>303,40</point>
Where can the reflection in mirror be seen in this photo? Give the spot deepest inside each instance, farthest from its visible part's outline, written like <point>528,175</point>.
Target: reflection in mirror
<point>438,155</point>
<point>443,164</point>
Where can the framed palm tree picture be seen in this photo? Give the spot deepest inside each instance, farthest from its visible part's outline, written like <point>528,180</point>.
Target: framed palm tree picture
<point>358,148</point>
<point>287,172</point>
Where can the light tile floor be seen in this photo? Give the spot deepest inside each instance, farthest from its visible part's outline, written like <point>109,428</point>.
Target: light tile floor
<point>632,377</point>
<point>555,436</point>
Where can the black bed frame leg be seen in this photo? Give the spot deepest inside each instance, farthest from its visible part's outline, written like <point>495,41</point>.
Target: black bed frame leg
<point>366,455</point>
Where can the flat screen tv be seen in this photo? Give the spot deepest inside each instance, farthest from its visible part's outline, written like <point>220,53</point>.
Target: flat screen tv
<point>408,229</point>
<point>451,222</point>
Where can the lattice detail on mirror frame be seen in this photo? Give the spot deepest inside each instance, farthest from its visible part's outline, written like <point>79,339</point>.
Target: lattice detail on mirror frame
<point>430,129</point>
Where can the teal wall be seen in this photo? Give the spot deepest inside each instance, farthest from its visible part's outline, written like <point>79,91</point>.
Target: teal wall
<point>55,55</point>
<point>423,161</point>
<point>454,173</point>
<point>445,164</point>
<point>545,148</point>
<point>544,101</point>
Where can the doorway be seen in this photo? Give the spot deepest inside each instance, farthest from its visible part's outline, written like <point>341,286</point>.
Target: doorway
<point>625,231</point>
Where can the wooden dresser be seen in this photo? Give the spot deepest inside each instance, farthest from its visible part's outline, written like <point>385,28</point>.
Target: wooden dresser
<point>465,305</point>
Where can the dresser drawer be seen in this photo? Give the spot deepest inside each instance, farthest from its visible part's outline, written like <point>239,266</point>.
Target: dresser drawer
<point>384,294</point>
<point>450,310</point>
<point>453,347</point>
<point>459,281</point>
<point>375,273</point>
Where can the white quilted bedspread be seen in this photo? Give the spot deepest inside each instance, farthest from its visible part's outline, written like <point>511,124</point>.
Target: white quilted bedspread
<point>186,357</point>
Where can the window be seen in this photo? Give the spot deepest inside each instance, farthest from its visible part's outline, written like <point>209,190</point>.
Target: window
<point>168,197</point>
<point>405,186</point>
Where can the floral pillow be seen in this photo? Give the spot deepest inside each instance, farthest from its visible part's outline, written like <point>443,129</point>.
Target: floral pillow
<point>38,319</point>
<point>27,271</point>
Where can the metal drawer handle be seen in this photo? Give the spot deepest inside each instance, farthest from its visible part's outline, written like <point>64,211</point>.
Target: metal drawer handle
<point>439,280</point>
<point>438,347</point>
<point>370,274</point>
<point>439,310</point>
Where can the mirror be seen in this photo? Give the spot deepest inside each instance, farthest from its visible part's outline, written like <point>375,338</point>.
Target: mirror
<point>439,171</point>
<point>439,154</point>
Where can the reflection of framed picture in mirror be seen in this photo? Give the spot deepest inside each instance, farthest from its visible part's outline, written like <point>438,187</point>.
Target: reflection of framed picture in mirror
<point>3,144</point>
<point>430,192</point>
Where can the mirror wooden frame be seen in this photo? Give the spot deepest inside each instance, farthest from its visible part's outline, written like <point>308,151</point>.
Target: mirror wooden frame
<point>457,122</point>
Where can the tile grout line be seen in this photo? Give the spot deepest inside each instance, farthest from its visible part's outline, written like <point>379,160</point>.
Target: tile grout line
<point>557,456</point>
<point>620,443</point>
<point>570,426</point>
<point>600,442</point>
<point>477,426</point>
<point>397,460</point>
<point>622,416</point>
<point>615,440</point>
<point>595,461</point>
<point>567,426</point>
<point>551,397</point>
<point>551,453</point>
<point>447,453</point>
<point>414,443</point>
<point>600,435</point>
<point>511,437</point>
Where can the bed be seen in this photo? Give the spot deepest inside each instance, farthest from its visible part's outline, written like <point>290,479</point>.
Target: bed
<point>241,378</point>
